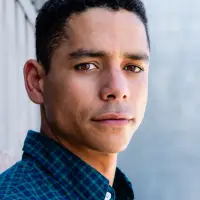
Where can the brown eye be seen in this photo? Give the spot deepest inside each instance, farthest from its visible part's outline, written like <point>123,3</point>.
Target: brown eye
<point>134,68</point>
<point>85,66</point>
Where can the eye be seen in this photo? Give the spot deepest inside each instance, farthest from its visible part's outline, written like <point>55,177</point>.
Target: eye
<point>134,68</point>
<point>85,66</point>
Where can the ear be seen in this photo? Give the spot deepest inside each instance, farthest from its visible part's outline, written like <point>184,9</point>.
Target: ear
<point>34,75</point>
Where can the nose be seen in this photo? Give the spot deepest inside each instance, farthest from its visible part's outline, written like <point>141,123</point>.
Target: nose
<point>114,86</point>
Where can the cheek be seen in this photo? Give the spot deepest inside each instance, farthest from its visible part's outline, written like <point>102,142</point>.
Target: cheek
<point>78,99</point>
<point>143,91</point>
<point>78,92</point>
<point>142,98</point>
<point>139,92</point>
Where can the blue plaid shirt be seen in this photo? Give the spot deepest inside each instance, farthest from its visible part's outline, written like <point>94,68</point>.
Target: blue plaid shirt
<point>48,171</point>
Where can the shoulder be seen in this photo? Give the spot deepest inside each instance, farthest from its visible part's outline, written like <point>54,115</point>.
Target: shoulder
<point>15,183</point>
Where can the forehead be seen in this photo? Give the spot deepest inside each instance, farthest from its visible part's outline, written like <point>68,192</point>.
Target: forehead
<point>103,29</point>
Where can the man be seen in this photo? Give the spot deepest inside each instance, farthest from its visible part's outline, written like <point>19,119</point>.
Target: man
<point>91,82</point>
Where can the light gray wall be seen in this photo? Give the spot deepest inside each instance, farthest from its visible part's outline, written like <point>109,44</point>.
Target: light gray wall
<point>163,159</point>
<point>17,113</point>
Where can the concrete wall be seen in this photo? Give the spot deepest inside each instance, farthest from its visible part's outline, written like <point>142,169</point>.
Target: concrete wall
<point>163,159</point>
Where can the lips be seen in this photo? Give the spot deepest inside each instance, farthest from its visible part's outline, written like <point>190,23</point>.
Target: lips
<point>113,116</point>
<point>113,119</point>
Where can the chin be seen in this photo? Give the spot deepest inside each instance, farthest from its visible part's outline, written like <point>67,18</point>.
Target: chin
<point>114,150</point>
<point>119,149</point>
<point>111,148</point>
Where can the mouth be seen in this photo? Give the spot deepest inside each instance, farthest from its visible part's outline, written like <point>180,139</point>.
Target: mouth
<point>113,119</point>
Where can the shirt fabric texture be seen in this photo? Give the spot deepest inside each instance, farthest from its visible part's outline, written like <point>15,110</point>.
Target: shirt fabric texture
<point>48,171</point>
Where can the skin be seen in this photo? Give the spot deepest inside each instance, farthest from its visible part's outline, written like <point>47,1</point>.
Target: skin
<point>113,83</point>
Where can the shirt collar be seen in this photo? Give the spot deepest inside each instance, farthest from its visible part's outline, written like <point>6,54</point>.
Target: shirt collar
<point>72,172</point>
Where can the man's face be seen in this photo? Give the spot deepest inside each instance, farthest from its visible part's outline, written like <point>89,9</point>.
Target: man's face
<point>96,91</point>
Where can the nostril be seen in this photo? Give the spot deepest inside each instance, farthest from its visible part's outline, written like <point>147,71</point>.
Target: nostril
<point>111,96</point>
<point>124,97</point>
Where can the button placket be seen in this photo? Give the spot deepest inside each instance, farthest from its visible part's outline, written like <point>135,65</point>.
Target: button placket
<point>108,196</point>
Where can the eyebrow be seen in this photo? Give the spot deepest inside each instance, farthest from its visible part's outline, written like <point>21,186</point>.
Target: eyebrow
<point>85,53</point>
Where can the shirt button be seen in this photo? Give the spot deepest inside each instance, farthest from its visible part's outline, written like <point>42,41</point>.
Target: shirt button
<point>108,196</point>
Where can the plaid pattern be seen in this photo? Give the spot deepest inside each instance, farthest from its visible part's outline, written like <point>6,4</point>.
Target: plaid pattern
<point>48,171</point>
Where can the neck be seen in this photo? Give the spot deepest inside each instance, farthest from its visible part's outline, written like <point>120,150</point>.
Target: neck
<point>105,163</point>
<point>102,162</point>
